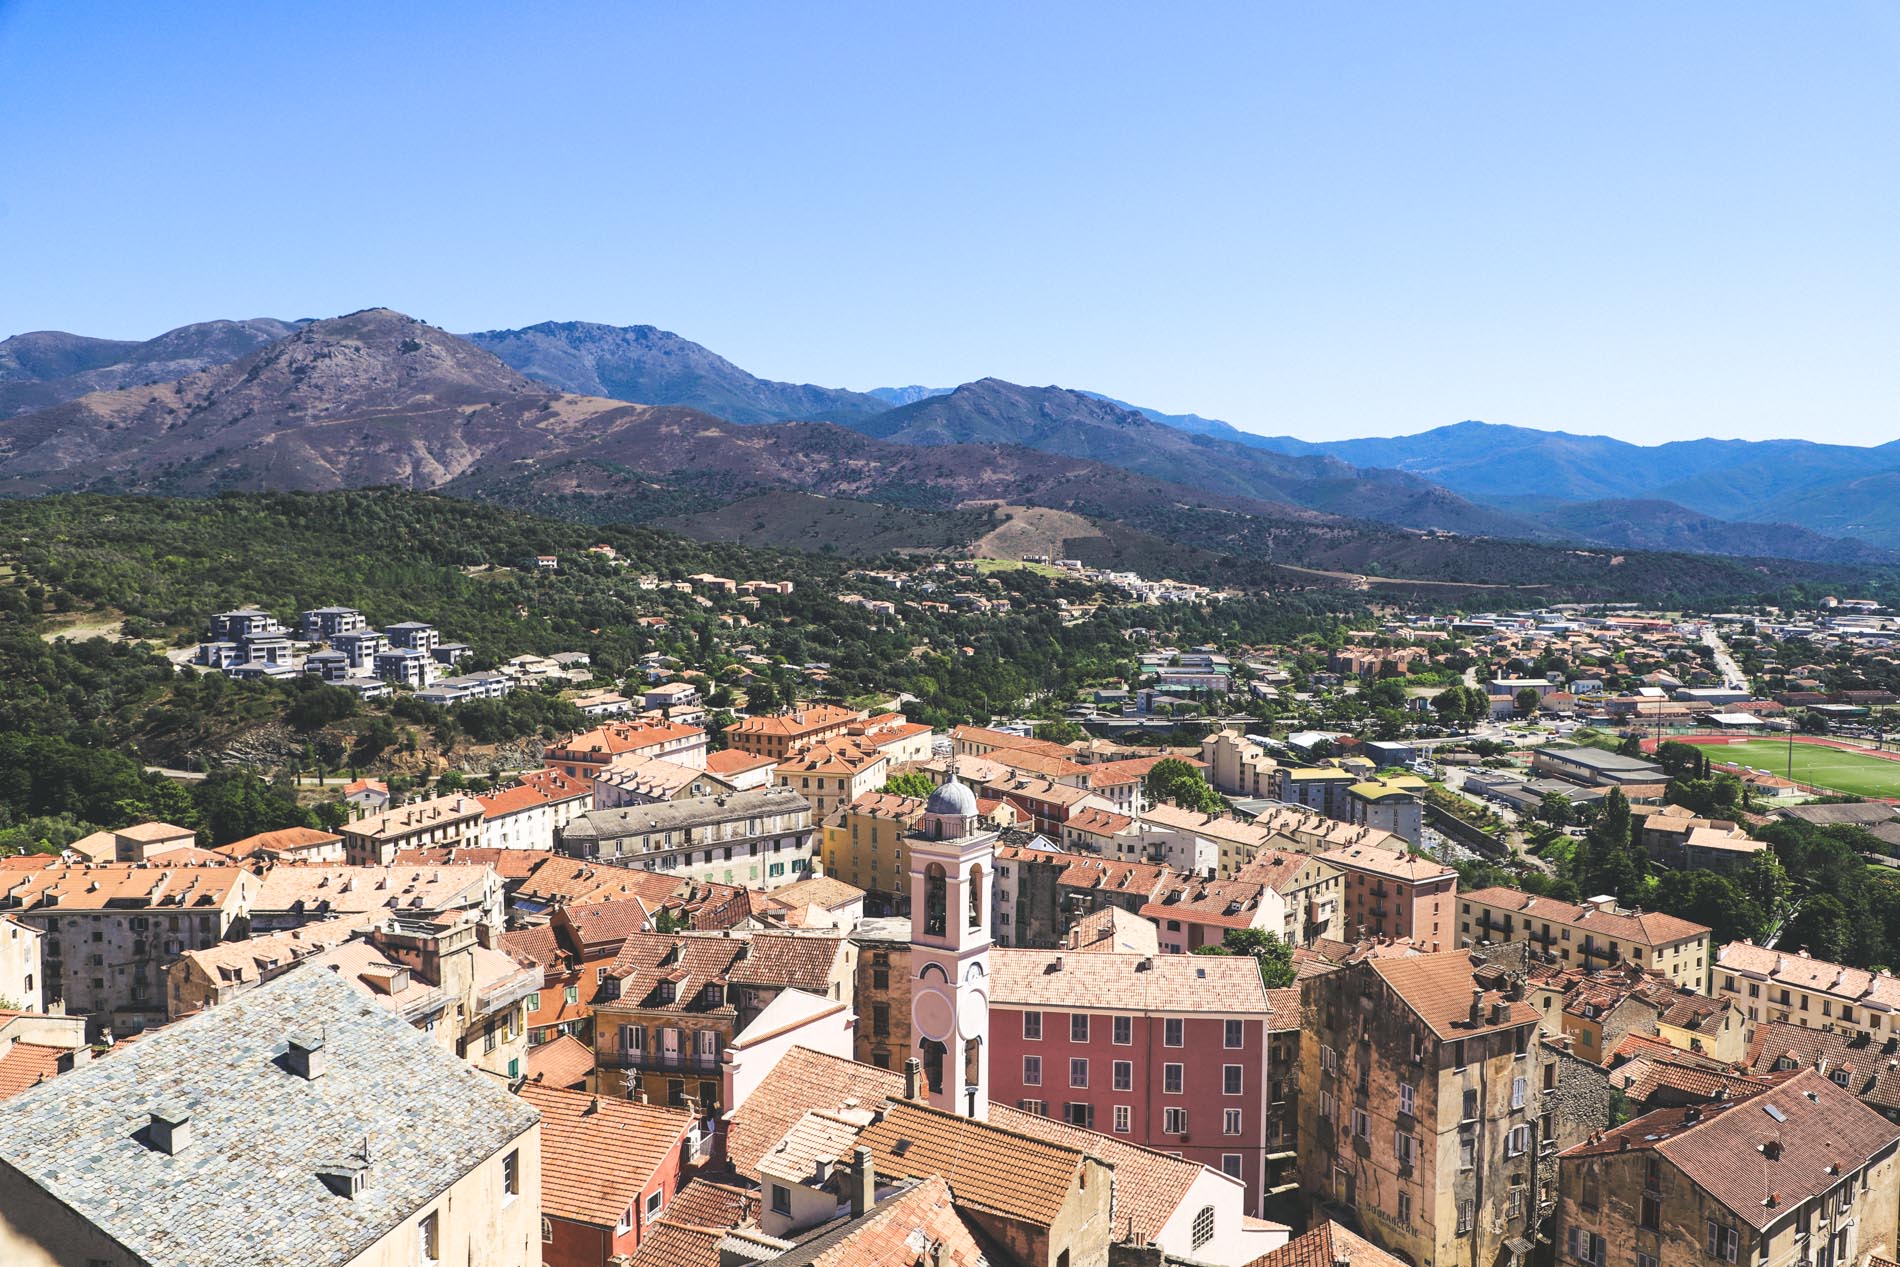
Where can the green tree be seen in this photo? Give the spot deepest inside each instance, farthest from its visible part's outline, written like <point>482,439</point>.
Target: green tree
<point>1556,809</point>
<point>1274,956</point>
<point>910,783</point>
<point>1526,700</point>
<point>1176,782</point>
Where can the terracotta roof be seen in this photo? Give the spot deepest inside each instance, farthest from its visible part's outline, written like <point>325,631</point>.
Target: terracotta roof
<point>1410,867</point>
<point>1439,988</point>
<point>545,787</point>
<point>1117,773</point>
<point>598,1153</point>
<point>1651,1077</point>
<point>509,864</point>
<point>1719,1146</point>
<point>730,761</point>
<point>1160,983</point>
<point>802,1080</point>
<point>538,942</point>
<point>125,885</point>
<point>28,1064</point>
<point>798,722</point>
<point>1284,870</point>
<point>984,736</point>
<point>562,880</point>
<point>606,925</point>
<point>820,890</point>
<point>1284,1003</point>
<point>1217,903</point>
<point>832,756</point>
<point>1875,989</point>
<point>924,1214</point>
<point>404,819</point>
<point>1042,765</point>
<point>1648,928</point>
<point>1872,1069</point>
<point>1112,929</point>
<point>1150,1185</point>
<point>670,1244</point>
<point>988,1166</point>
<point>341,890</point>
<point>565,1062</point>
<point>704,1203</point>
<point>154,833</point>
<point>280,841</point>
<point>616,737</point>
<point>1328,1245</point>
<point>1099,822</point>
<point>800,961</point>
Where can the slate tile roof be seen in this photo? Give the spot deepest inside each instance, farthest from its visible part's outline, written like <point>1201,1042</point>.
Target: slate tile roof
<point>599,1153</point>
<point>246,1188</point>
<point>988,1166</point>
<point>509,864</point>
<point>1719,1146</point>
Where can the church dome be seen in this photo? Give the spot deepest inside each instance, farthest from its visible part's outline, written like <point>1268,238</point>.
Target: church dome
<point>952,798</point>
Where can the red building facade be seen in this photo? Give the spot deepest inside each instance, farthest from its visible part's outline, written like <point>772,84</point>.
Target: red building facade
<point>1168,1051</point>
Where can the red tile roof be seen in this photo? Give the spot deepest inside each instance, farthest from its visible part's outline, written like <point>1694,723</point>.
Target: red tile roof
<point>1439,988</point>
<point>27,1064</point>
<point>564,1063</point>
<point>1328,1245</point>
<point>598,1153</point>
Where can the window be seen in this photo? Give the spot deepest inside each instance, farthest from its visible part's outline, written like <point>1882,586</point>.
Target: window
<point>572,994</point>
<point>1361,1124</point>
<point>1172,1032</point>
<point>1651,1209</point>
<point>1328,1060</point>
<point>429,1237</point>
<point>1038,1107</point>
<point>1032,1026</point>
<point>511,1175</point>
<point>1464,1217</point>
<point>1124,1071</point>
<point>1230,1122</point>
<point>1405,1147</point>
<point>781,1199</point>
<point>1231,1078</point>
<point>1230,1165</point>
<point>1079,1027</point>
<point>1721,1242</point>
<point>1408,1099</point>
<point>1203,1226</point>
<point>1518,1087</point>
<point>1124,1119</point>
<point>1174,1121</point>
<point>1233,1034</point>
<point>1467,1153</point>
<point>1327,1105</point>
<point>1405,1209</point>
<point>1587,1247</point>
<point>1173,1079</point>
<point>1078,1072</point>
<point>1032,1071</point>
<point>1471,1105</point>
<point>1123,1031</point>
<point>534,1001</point>
<point>547,1230</point>
<point>656,1200</point>
<point>1516,1141</point>
<point>624,1223</point>
<point>1645,1260</point>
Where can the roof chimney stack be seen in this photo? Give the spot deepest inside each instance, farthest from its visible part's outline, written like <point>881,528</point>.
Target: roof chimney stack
<point>863,1183</point>
<point>1477,1005</point>
<point>913,1078</point>
<point>306,1056</point>
<point>170,1130</point>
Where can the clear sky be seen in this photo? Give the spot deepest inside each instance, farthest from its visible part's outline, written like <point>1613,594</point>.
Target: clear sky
<point>1653,221</point>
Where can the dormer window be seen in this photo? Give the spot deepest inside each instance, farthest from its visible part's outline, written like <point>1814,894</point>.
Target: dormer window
<point>665,991</point>
<point>715,996</point>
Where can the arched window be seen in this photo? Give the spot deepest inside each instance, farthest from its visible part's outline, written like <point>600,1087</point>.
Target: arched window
<point>936,900</point>
<point>972,1061</point>
<point>933,1065</point>
<point>976,895</point>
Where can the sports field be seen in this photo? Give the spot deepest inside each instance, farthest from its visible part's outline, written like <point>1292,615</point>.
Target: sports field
<point>1842,769</point>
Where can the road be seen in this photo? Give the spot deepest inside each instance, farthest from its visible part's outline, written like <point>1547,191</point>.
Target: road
<point>1725,663</point>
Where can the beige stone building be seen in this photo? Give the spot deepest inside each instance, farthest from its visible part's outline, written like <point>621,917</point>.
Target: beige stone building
<point>280,1129</point>
<point>22,975</point>
<point>833,774</point>
<point>761,839</point>
<point>1425,1103</point>
<point>1237,766</point>
<point>447,822</point>
<point>863,844</point>
<point>1800,1173</point>
<point>1798,989</point>
<point>112,929</point>
<point>1594,934</point>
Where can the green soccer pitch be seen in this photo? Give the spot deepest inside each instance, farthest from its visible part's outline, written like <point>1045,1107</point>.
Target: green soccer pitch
<point>1841,769</point>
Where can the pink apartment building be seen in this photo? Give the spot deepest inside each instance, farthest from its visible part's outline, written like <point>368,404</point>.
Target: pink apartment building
<point>1166,1051</point>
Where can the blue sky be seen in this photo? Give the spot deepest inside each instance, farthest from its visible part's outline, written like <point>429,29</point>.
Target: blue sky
<point>1328,220</point>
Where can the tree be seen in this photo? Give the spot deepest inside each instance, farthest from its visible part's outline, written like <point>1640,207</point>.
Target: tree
<point>1610,861</point>
<point>1712,899</point>
<point>1556,809</point>
<point>1175,781</point>
<point>1526,700</point>
<point>910,783</point>
<point>1274,956</point>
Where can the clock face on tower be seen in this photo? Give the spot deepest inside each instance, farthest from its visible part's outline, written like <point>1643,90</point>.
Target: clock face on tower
<point>935,1015</point>
<point>973,1017</point>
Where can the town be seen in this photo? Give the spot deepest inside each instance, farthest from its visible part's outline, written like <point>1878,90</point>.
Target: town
<point>1399,961</point>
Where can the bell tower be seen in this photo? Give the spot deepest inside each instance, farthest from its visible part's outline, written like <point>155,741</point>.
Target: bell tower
<point>950,886</point>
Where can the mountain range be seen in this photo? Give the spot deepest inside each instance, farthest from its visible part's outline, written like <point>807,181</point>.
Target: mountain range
<point>552,417</point>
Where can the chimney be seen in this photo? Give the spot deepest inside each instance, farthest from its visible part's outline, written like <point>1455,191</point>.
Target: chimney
<point>1772,1150</point>
<point>863,1183</point>
<point>170,1130</point>
<point>1477,1005</point>
<point>1341,1258</point>
<point>306,1056</point>
<point>913,1078</point>
<point>1499,1011</point>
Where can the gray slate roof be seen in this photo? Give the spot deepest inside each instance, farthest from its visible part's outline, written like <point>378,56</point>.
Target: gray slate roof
<point>697,811</point>
<point>245,1190</point>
